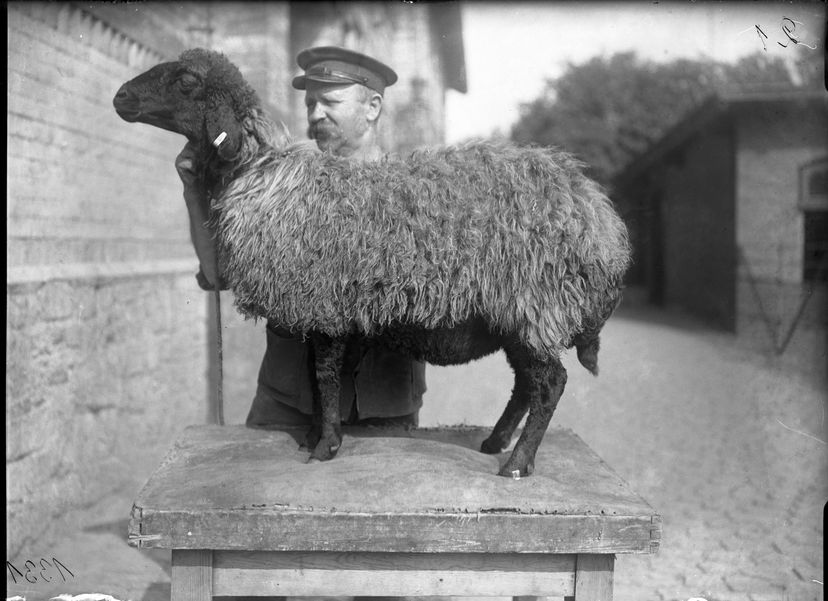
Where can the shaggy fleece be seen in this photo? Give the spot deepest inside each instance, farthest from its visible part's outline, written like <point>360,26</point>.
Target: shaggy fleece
<point>516,235</point>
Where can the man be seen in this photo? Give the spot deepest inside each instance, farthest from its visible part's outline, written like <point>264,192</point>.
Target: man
<point>343,95</point>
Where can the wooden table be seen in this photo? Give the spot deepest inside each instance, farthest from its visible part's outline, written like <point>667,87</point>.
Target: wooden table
<point>396,513</point>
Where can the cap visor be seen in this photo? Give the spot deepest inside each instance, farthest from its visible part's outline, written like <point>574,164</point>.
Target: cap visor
<point>300,82</point>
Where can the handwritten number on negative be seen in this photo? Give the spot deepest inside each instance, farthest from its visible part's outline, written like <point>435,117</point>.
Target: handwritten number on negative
<point>60,567</point>
<point>29,565</point>
<point>45,567</point>
<point>42,575</point>
<point>788,26</point>
<point>13,570</point>
<point>761,35</point>
<point>789,29</point>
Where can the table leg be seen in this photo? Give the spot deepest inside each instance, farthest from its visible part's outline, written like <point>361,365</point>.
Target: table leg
<point>593,577</point>
<point>192,575</point>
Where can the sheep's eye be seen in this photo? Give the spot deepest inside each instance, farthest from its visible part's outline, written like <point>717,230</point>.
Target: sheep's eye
<point>187,82</point>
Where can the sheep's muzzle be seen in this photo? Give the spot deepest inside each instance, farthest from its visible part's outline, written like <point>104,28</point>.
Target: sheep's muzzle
<point>143,100</point>
<point>131,108</point>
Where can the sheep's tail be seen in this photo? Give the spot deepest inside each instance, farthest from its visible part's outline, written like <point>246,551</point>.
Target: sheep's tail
<point>587,346</point>
<point>588,341</point>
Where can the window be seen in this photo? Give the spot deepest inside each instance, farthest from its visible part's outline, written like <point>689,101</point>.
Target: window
<point>813,200</point>
<point>815,264</point>
<point>817,183</point>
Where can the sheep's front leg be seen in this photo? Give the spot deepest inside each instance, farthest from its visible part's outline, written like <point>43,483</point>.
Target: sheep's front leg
<point>315,432</point>
<point>546,382</point>
<point>329,354</point>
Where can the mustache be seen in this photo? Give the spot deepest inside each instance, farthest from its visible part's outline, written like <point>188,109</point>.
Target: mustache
<point>321,130</point>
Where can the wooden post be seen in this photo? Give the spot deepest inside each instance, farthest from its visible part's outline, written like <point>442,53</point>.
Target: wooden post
<point>593,577</point>
<point>192,575</point>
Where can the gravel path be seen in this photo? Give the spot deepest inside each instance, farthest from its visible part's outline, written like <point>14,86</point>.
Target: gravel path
<point>727,446</point>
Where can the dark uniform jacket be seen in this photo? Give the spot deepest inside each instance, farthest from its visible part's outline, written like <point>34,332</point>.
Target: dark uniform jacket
<point>379,384</point>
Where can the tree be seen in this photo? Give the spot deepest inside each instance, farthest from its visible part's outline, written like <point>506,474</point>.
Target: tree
<point>608,110</point>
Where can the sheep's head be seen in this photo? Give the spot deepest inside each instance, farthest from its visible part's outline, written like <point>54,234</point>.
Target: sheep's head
<point>202,95</point>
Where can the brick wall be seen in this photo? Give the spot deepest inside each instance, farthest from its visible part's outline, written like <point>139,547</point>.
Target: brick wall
<point>106,342</point>
<point>773,302</point>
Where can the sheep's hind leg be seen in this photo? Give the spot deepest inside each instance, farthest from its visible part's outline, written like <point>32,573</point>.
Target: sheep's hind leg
<point>501,435</point>
<point>329,354</point>
<point>546,382</point>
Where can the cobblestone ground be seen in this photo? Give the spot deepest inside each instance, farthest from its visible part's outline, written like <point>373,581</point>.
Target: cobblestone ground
<point>728,447</point>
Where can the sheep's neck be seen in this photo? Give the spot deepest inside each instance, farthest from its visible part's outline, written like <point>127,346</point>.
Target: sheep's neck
<point>214,174</point>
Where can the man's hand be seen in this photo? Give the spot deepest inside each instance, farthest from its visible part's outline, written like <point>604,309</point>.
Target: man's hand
<point>198,207</point>
<point>194,192</point>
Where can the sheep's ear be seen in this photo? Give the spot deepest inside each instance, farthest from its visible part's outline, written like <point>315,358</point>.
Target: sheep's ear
<point>225,132</point>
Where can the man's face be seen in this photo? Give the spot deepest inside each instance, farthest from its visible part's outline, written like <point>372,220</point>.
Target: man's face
<point>338,116</point>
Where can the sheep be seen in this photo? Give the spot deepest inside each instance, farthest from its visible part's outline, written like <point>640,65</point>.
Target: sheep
<point>447,255</point>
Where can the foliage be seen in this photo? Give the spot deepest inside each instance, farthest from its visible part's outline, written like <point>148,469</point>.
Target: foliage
<point>609,109</point>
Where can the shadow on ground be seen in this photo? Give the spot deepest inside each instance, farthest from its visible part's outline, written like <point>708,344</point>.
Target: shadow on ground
<point>158,591</point>
<point>119,529</point>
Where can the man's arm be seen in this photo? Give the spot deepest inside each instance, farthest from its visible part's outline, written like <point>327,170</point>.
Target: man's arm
<point>198,207</point>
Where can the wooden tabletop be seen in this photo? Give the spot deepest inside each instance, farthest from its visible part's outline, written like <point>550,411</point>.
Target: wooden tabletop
<point>427,490</point>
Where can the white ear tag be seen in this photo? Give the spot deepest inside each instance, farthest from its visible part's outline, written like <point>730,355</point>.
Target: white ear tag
<point>219,139</point>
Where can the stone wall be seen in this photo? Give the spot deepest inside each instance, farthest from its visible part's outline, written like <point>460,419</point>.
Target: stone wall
<point>105,337</point>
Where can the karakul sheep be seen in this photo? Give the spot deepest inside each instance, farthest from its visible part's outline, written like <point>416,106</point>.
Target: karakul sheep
<point>446,255</point>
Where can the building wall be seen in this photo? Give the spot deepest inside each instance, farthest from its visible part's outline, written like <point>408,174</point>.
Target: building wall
<point>105,336</point>
<point>418,98</point>
<point>256,37</point>
<point>698,228</point>
<point>772,145</point>
<point>774,303</point>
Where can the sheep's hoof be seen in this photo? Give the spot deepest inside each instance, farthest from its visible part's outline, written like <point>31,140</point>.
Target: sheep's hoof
<point>515,472</point>
<point>324,451</point>
<point>492,445</point>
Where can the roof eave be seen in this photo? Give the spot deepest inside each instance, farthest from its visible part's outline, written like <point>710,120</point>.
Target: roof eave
<point>717,105</point>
